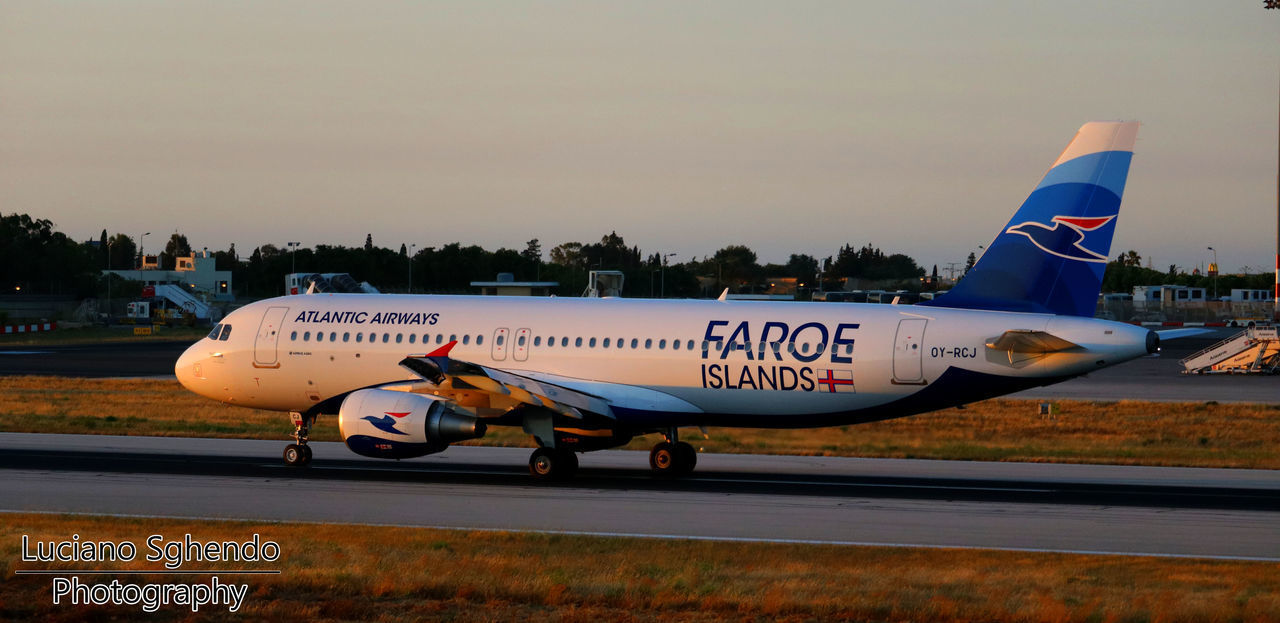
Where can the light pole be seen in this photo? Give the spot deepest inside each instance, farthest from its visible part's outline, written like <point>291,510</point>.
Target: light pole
<point>293,256</point>
<point>110,241</point>
<point>1213,272</point>
<point>411,248</point>
<point>141,257</point>
<point>663,275</point>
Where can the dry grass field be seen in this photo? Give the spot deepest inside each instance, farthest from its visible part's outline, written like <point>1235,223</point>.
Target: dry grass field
<point>1186,434</point>
<point>340,573</point>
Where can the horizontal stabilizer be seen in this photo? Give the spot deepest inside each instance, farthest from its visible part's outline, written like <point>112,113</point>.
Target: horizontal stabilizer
<point>1025,341</point>
<point>1177,334</point>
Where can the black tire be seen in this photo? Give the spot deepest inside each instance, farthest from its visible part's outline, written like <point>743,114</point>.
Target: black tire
<point>546,464</point>
<point>663,459</point>
<point>569,463</point>
<point>686,458</point>
<point>306,455</point>
<point>295,455</point>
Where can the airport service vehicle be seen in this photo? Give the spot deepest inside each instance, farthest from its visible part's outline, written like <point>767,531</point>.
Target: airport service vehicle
<point>1255,350</point>
<point>409,375</point>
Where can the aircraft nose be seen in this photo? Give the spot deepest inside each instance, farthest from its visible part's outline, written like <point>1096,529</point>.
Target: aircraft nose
<point>186,367</point>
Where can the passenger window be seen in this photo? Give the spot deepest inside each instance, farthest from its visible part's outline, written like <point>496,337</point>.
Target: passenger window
<point>635,343</point>
<point>537,341</point>
<point>426,338</point>
<point>346,336</point>
<point>690,344</point>
<point>606,343</point>
<point>333,336</point>
<point>520,341</point>
<point>578,342</point>
<point>662,344</point>
<point>593,343</point>
<point>619,343</point>
<point>359,338</point>
<point>453,338</point>
<point>439,338</point>
<point>399,338</point>
<point>306,337</point>
<point>386,337</point>
<point>648,343</point>
<point>804,348</point>
<point>501,339</point>
<point>479,340</point>
<point>466,339</point>
<point>675,344</point>
<point>551,341</point>
<point>564,341</point>
<point>319,336</point>
<point>412,337</point>
<point>293,336</point>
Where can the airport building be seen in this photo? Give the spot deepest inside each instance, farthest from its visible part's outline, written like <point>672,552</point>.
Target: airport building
<point>506,285</point>
<point>197,273</point>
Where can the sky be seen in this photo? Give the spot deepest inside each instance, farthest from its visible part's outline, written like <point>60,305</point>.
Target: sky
<point>789,127</point>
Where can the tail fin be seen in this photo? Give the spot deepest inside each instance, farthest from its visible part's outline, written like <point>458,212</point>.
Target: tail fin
<point>1051,255</point>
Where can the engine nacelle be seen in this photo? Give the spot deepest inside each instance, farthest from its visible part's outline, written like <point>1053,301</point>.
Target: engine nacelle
<point>388,424</point>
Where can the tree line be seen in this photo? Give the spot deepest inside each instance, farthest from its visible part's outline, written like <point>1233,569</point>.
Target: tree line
<point>36,258</point>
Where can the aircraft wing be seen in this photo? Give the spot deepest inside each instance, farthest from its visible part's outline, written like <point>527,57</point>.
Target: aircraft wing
<point>461,381</point>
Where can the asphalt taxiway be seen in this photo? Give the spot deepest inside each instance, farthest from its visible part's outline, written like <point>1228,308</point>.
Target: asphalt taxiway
<point>110,359</point>
<point>1212,513</point>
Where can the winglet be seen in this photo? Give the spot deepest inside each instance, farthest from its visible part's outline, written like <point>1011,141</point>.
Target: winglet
<point>724,296</point>
<point>443,351</point>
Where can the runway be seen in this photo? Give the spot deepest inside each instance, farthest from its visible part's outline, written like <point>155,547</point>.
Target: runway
<point>110,359</point>
<point>1071,508</point>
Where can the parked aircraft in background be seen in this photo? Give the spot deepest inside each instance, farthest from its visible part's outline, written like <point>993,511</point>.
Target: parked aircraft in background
<point>409,375</point>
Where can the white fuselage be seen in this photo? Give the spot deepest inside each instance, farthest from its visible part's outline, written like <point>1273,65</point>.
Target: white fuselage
<point>719,362</point>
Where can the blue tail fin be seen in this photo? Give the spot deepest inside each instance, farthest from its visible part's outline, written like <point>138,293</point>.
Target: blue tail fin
<point>1051,255</point>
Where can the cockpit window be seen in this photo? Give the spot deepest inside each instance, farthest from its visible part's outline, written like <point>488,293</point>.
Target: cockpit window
<point>226,333</point>
<point>217,328</point>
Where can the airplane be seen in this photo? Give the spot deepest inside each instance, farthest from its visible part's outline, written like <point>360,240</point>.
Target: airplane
<point>408,375</point>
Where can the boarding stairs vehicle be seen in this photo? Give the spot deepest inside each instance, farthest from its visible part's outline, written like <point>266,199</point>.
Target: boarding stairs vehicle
<point>184,300</point>
<point>1254,351</point>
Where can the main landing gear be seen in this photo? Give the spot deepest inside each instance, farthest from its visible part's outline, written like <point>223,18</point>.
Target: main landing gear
<point>672,457</point>
<point>553,464</point>
<point>299,454</point>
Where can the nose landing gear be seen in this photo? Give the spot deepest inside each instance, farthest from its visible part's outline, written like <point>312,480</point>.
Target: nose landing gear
<point>299,454</point>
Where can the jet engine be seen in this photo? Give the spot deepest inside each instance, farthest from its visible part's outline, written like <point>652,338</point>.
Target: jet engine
<point>388,424</point>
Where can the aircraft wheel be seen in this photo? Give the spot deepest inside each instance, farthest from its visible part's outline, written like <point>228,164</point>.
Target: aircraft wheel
<point>686,458</point>
<point>663,459</point>
<point>295,455</point>
<point>570,462</point>
<point>546,464</point>
<point>306,455</point>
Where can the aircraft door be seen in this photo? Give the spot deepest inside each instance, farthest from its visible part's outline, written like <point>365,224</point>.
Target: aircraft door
<point>521,352</point>
<point>908,352</point>
<point>264,345</point>
<point>500,337</point>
